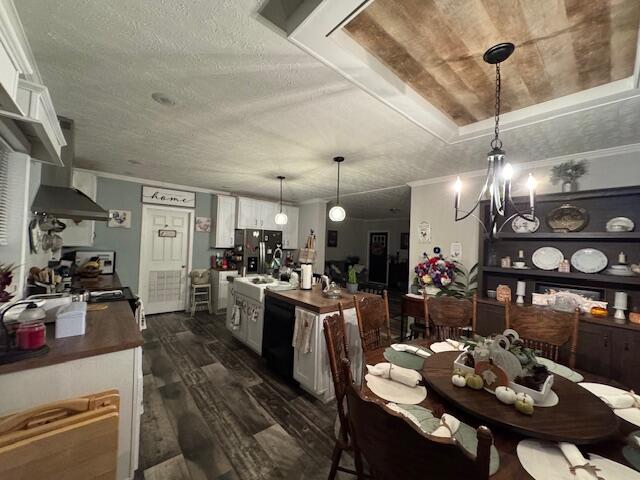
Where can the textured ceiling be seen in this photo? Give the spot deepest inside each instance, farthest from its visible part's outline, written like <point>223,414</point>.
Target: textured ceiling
<point>249,104</point>
<point>562,47</point>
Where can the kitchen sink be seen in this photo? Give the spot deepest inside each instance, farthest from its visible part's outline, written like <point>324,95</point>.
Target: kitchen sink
<point>253,287</point>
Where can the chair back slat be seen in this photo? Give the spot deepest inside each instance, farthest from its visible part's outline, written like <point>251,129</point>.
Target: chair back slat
<point>395,448</point>
<point>373,320</point>
<point>545,329</point>
<point>337,350</point>
<point>450,317</point>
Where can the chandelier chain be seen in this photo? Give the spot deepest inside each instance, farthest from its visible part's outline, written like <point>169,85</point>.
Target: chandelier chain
<point>496,142</point>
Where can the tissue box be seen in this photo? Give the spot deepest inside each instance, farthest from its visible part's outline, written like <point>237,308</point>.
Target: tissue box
<point>71,320</point>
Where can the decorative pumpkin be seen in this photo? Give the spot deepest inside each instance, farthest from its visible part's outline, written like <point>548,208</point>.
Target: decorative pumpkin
<point>524,407</point>
<point>475,381</point>
<point>458,380</point>
<point>492,375</point>
<point>524,397</point>
<point>506,395</point>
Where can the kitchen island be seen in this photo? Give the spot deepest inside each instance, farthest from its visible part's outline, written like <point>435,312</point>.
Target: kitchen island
<point>311,370</point>
<point>108,356</point>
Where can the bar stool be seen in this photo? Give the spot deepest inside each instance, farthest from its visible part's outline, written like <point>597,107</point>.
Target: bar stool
<point>200,291</point>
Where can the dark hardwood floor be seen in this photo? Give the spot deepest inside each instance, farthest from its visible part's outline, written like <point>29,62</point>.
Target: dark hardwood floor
<point>212,410</point>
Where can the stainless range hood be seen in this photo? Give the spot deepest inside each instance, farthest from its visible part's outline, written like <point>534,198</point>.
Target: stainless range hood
<point>56,196</point>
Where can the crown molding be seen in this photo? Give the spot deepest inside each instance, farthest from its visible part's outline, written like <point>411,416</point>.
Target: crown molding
<point>17,44</point>
<point>146,181</point>
<point>547,162</point>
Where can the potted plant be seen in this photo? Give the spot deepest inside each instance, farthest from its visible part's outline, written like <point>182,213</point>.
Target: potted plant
<point>352,280</point>
<point>465,283</point>
<point>568,173</point>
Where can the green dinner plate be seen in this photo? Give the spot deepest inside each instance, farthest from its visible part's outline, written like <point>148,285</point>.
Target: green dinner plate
<point>404,359</point>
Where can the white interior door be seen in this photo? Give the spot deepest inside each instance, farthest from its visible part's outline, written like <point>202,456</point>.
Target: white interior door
<point>165,258</point>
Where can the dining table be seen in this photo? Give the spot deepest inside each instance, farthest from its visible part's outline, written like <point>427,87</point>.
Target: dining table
<point>509,427</point>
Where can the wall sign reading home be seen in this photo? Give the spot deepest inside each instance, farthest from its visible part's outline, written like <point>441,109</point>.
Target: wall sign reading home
<point>166,196</point>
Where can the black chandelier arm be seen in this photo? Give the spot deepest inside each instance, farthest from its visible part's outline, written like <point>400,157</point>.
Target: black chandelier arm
<point>518,213</point>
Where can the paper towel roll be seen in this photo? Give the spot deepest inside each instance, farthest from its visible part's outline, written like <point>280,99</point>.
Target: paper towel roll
<point>307,276</point>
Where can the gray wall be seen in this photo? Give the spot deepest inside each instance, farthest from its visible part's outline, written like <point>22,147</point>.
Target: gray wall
<point>120,194</point>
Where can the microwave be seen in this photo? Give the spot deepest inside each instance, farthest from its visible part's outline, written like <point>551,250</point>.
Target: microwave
<point>107,260</point>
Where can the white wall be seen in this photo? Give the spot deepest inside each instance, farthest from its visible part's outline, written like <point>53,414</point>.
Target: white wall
<point>433,202</point>
<point>313,216</point>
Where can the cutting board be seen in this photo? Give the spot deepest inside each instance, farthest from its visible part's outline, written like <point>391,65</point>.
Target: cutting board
<point>75,439</point>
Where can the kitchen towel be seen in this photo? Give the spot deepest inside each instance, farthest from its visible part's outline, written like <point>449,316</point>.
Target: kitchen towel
<point>235,317</point>
<point>406,376</point>
<point>302,331</point>
<point>140,317</point>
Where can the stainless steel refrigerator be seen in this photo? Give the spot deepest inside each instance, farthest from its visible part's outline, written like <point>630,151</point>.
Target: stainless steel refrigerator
<point>256,248</point>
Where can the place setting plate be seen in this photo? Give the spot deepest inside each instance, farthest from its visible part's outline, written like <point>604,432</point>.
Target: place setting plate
<point>545,461</point>
<point>631,415</point>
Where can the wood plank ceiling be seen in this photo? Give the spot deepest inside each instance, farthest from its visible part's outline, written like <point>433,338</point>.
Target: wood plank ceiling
<point>562,47</point>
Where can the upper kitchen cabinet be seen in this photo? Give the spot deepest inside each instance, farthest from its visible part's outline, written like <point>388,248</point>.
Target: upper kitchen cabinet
<point>223,221</point>
<point>257,214</point>
<point>82,233</point>
<point>290,230</point>
<point>28,121</point>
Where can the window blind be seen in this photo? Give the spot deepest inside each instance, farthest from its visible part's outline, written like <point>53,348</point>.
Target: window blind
<point>4,195</point>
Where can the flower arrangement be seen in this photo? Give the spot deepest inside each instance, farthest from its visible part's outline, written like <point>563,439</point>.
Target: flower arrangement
<point>568,172</point>
<point>435,271</point>
<point>6,277</point>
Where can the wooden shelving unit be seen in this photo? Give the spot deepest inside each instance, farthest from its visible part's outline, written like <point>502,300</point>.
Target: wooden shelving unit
<point>604,347</point>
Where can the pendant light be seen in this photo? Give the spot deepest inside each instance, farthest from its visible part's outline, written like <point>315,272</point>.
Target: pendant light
<point>497,184</point>
<point>337,213</point>
<point>281,218</point>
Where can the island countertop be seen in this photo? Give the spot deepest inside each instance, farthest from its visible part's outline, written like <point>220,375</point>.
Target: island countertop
<point>313,299</point>
<point>110,330</point>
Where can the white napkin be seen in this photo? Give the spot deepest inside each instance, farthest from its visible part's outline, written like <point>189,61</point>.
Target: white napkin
<point>620,400</point>
<point>452,425</point>
<point>401,347</point>
<point>574,457</point>
<point>406,376</point>
<point>447,346</point>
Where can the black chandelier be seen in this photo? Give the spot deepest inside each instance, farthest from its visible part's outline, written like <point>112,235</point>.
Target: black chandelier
<point>497,185</point>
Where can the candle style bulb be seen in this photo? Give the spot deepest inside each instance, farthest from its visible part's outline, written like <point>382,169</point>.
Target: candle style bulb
<point>457,187</point>
<point>507,171</point>
<point>532,183</point>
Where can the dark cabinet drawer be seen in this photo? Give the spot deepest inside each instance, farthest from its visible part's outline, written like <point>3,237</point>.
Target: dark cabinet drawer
<point>594,349</point>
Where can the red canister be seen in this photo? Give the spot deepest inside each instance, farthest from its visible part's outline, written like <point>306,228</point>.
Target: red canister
<point>31,336</point>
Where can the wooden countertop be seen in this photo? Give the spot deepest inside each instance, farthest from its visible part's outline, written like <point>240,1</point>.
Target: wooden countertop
<point>110,330</point>
<point>101,282</point>
<point>313,299</point>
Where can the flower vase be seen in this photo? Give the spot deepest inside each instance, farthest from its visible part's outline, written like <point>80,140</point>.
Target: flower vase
<point>352,288</point>
<point>570,186</point>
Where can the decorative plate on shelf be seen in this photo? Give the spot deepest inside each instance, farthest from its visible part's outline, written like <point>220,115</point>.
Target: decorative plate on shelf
<point>620,224</point>
<point>589,260</point>
<point>567,218</point>
<point>547,258</point>
<point>522,225</point>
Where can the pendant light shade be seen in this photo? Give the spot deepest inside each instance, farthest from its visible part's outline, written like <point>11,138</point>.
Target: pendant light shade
<point>281,218</point>
<point>337,213</point>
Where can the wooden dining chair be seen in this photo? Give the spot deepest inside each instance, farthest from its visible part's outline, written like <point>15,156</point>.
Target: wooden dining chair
<point>449,317</point>
<point>337,350</point>
<point>373,320</point>
<point>371,287</point>
<point>544,329</point>
<point>394,448</point>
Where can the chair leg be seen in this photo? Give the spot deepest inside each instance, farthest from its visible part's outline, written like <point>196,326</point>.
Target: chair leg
<point>358,461</point>
<point>335,461</point>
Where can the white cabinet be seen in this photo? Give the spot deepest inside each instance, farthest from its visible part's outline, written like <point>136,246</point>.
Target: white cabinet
<point>248,213</point>
<point>255,328</point>
<point>312,369</point>
<point>81,234</point>
<point>220,288</point>
<point>290,230</point>
<point>268,212</point>
<point>223,221</point>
